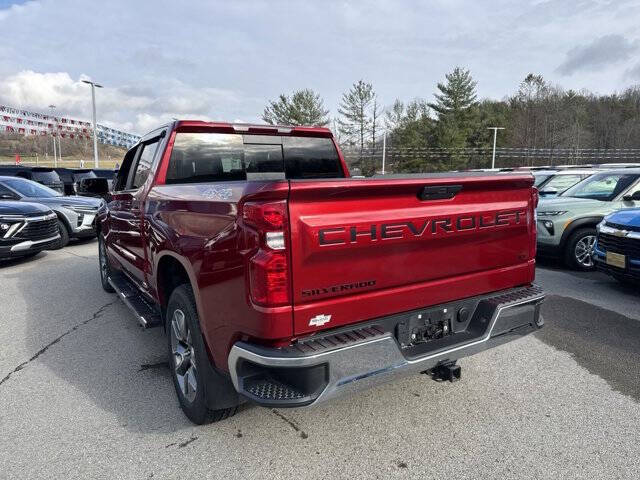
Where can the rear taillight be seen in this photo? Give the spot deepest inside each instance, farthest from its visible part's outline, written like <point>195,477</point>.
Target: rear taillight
<point>269,267</point>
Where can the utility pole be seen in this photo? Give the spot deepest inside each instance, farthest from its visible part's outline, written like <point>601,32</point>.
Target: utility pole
<point>95,132</point>
<point>53,136</point>
<point>384,149</point>
<point>495,136</point>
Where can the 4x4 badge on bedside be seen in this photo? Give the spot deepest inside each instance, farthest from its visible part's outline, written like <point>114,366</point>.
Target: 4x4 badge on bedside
<point>319,320</point>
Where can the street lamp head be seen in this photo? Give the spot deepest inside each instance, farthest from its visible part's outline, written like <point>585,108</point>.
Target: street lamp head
<point>89,82</point>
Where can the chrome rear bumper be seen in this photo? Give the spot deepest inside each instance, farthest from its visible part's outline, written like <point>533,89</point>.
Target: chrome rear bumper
<point>350,360</point>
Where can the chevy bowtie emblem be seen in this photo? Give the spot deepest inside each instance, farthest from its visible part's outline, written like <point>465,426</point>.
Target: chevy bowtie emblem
<point>319,320</point>
<point>620,233</point>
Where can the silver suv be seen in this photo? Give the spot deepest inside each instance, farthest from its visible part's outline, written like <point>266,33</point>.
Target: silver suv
<point>76,215</point>
<point>566,224</point>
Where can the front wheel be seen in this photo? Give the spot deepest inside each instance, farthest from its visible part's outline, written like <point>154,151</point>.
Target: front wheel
<point>64,235</point>
<point>579,249</point>
<point>189,359</point>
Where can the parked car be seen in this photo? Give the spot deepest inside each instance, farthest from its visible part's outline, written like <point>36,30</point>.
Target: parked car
<point>617,249</point>
<point>281,281</point>
<point>26,228</point>
<point>46,176</point>
<point>71,177</point>
<point>76,215</point>
<point>554,183</point>
<point>567,224</point>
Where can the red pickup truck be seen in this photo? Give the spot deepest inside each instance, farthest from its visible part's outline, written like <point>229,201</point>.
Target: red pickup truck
<point>281,280</point>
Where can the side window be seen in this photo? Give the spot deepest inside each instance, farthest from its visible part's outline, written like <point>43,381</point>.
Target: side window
<point>6,193</point>
<point>120,182</point>
<point>560,183</point>
<point>143,167</point>
<point>634,189</point>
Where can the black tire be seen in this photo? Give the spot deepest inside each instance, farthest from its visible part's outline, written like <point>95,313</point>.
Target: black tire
<point>185,342</point>
<point>574,251</point>
<point>103,263</point>
<point>64,235</point>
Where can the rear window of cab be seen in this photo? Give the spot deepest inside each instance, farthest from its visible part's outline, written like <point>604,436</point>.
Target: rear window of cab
<point>219,157</point>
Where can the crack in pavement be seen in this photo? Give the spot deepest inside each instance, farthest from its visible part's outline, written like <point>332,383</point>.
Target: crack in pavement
<point>97,314</point>
<point>80,256</point>
<point>292,424</point>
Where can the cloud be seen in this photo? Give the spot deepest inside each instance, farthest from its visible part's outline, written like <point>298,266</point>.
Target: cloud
<point>604,51</point>
<point>225,60</point>
<point>132,108</point>
<point>633,73</point>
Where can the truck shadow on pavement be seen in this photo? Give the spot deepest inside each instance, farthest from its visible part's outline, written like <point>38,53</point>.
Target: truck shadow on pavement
<point>604,342</point>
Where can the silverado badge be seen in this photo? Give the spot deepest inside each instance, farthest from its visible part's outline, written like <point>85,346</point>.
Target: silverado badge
<point>319,320</point>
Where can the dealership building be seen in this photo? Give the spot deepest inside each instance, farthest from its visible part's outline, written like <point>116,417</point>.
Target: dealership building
<point>15,120</point>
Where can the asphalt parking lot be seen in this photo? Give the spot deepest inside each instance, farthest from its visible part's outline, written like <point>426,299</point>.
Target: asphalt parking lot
<point>86,393</point>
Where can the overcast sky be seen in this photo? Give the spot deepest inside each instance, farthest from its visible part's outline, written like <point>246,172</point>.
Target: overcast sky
<point>223,60</point>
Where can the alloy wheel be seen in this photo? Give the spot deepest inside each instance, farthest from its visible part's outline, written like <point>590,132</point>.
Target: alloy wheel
<point>184,360</point>
<point>584,251</point>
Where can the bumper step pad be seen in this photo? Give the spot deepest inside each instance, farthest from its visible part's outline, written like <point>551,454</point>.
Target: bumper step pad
<point>147,313</point>
<point>268,389</point>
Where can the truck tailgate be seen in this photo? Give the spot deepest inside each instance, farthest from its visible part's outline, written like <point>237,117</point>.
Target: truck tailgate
<point>361,249</point>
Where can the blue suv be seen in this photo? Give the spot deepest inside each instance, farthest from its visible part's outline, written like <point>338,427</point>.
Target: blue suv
<point>617,248</point>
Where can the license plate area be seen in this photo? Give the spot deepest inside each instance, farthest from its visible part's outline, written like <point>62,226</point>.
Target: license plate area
<point>424,327</point>
<point>616,260</point>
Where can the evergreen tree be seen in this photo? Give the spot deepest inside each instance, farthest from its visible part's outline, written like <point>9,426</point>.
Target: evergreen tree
<point>305,107</point>
<point>456,96</point>
<point>454,107</point>
<point>355,121</point>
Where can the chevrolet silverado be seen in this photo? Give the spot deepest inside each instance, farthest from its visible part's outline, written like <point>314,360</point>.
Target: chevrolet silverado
<point>281,280</point>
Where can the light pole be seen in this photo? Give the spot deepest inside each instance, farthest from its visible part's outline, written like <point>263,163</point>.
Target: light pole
<point>495,136</point>
<point>95,133</point>
<point>384,149</point>
<point>53,136</point>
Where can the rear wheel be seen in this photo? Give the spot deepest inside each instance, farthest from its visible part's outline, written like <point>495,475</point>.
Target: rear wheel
<point>189,358</point>
<point>105,268</point>
<point>579,249</point>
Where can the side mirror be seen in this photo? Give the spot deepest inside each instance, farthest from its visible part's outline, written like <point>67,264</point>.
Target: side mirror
<point>548,192</point>
<point>94,187</point>
<point>8,196</point>
<point>635,197</point>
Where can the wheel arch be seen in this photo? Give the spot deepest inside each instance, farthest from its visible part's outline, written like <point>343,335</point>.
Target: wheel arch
<point>63,218</point>
<point>583,222</point>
